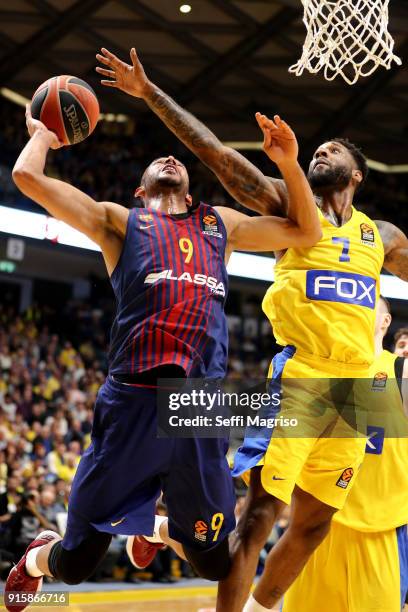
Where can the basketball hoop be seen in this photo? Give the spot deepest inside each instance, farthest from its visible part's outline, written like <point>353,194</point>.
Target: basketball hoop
<point>349,38</point>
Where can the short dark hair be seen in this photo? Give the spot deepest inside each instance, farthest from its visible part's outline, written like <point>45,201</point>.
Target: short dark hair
<point>143,177</point>
<point>358,156</point>
<point>402,331</point>
<point>387,303</point>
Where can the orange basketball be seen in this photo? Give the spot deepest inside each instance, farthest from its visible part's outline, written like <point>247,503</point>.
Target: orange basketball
<point>68,106</point>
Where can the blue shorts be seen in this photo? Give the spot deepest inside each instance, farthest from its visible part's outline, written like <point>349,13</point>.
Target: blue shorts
<point>124,470</point>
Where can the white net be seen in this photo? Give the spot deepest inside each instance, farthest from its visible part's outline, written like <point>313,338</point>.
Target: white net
<point>346,37</point>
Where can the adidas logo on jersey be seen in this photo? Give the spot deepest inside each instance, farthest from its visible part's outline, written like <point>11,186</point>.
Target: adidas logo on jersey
<point>212,283</point>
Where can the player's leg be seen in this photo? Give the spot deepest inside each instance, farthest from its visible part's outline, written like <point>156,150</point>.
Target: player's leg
<point>167,540</point>
<point>270,491</point>
<point>323,485</point>
<point>258,516</point>
<point>74,558</point>
<point>47,556</point>
<point>75,565</point>
<point>104,500</point>
<point>309,524</point>
<point>200,498</point>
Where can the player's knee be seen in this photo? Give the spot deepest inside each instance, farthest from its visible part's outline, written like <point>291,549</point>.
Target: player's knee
<point>258,522</point>
<point>65,566</point>
<point>215,574</point>
<point>213,564</point>
<point>313,532</point>
<point>72,576</point>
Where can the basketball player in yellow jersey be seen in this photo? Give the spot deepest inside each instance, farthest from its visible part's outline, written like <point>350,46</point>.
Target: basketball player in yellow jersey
<point>362,565</point>
<point>322,311</point>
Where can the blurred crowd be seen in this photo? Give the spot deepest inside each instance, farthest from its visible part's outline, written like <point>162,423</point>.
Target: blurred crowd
<point>47,391</point>
<point>109,164</point>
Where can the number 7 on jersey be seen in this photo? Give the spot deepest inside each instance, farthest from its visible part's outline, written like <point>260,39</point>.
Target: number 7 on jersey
<point>346,247</point>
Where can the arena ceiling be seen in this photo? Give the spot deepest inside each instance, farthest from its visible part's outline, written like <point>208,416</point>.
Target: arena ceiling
<point>223,61</point>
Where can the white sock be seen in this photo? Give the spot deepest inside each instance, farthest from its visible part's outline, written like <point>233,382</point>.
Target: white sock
<point>253,606</point>
<point>156,538</point>
<point>31,562</point>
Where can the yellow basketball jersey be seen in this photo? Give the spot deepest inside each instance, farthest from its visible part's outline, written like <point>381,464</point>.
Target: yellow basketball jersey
<point>323,299</point>
<point>379,499</point>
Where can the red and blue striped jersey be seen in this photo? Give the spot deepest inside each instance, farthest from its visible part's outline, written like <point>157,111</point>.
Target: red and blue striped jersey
<point>171,285</point>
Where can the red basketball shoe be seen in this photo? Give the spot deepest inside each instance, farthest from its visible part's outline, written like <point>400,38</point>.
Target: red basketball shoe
<point>141,552</point>
<point>19,581</point>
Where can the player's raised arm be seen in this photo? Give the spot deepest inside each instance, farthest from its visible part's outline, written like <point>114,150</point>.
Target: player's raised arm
<point>274,233</point>
<point>395,248</point>
<point>243,181</point>
<point>102,222</point>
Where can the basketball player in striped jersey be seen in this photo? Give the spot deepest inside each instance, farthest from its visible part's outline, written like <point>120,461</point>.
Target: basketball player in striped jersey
<point>322,311</point>
<point>167,266</point>
<point>362,565</point>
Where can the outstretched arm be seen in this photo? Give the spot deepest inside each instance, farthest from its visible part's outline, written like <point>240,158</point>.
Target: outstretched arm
<point>243,181</point>
<point>396,249</point>
<point>103,222</point>
<point>264,233</point>
<point>303,228</point>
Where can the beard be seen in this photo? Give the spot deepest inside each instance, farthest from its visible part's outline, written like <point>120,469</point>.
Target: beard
<point>327,176</point>
<point>169,180</point>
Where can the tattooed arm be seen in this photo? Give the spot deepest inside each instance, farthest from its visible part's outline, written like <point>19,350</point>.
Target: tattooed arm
<point>243,181</point>
<point>271,233</point>
<point>395,248</point>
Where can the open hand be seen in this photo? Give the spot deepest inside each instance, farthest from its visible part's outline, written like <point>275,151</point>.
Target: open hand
<point>33,126</point>
<point>280,142</point>
<point>130,78</point>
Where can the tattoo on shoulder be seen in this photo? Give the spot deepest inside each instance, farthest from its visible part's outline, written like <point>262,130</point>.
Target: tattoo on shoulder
<point>391,235</point>
<point>249,186</point>
<point>395,248</point>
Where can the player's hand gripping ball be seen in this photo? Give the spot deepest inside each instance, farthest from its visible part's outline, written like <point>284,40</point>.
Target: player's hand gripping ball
<point>67,106</point>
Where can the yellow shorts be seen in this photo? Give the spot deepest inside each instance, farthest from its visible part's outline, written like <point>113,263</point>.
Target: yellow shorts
<point>352,571</point>
<point>323,452</point>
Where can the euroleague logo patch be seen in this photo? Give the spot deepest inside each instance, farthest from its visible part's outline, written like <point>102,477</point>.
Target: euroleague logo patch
<point>367,234</point>
<point>210,226</point>
<point>379,380</point>
<point>200,531</point>
<point>345,478</point>
<point>210,220</point>
<point>146,217</point>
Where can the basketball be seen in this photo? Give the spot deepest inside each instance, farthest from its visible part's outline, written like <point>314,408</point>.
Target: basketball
<point>68,106</point>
